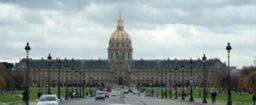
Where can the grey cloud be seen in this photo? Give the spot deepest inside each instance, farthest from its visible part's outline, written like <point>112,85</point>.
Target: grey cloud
<point>202,12</point>
<point>81,29</point>
<point>49,4</point>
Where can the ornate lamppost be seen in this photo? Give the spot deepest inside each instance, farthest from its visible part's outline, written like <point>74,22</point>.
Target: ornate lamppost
<point>66,80</point>
<point>191,99</point>
<point>182,83</point>
<point>166,85</point>
<point>152,89</point>
<point>204,94</point>
<point>170,80</point>
<point>176,86</point>
<point>49,73</point>
<point>228,48</point>
<point>162,87</point>
<point>83,84</point>
<point>80,84</point>
<point>26,91</point>
<point>59,62</point>
<point>76,83</point>
<point>72,78</point>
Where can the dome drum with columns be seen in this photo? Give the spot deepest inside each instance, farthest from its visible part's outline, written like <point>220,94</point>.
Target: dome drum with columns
<point>120,68</point>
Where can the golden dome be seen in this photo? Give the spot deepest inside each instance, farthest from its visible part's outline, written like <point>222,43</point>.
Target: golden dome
<point>120,34</point>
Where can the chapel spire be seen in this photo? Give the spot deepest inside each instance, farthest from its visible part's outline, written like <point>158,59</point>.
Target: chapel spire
<point>120,25</point>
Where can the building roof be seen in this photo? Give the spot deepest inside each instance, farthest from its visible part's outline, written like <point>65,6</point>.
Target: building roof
<point>134,64</point>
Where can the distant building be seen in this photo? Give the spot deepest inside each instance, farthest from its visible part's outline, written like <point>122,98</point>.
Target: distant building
<point>7,66</point>
<point>233,69</point>
<point>120,68</point>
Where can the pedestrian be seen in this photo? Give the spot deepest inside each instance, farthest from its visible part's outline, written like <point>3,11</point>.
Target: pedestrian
<point>200,93</point>
<point>23,96</point>
<point>213,96</point>
<point>39,95</point>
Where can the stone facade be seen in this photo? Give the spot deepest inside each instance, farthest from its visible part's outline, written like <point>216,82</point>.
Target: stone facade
<point>120,68</point>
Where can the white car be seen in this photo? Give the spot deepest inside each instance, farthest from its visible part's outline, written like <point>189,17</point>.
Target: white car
<point>100,95</point>
<point>48,100</point>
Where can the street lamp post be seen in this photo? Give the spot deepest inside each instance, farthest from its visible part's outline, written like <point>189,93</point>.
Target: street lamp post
<point>170,80</point>
<point>49,74</point>
<point>182,83</point>
<point>59,62</point>
<point>139,85</point>
<point>76,83</point>
<point>80,84</point>
<point>72,78</point>
<point>176,88</point>
<point>166,85</point>
<point>83,84</point>
<point>204,94</point>
<point>66,81</point>
<point>191,99</point>
<point>152,89</point>
<point>254,91</point>
<point>26,91</point>
<point>228,48</point>
<point>162,90</point>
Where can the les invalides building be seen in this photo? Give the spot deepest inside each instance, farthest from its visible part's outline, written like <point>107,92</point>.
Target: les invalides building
<point>120,68</point>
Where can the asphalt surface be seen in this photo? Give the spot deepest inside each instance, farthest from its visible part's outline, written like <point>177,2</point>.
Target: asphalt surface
<point>91,101</point>
<point>131,99</point>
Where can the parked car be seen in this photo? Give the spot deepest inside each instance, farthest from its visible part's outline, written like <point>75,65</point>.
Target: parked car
<point>106,94</point>
<point>48,100</point>
<point>100,95</point>
<point>113,95</point>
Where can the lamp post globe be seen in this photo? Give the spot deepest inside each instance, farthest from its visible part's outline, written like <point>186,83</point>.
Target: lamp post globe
<point>49,73</point>
<point>27,48</point>
<point>49,57</point>
<point>204,93</point>
<point>228,48</point>
<point>26,91</point>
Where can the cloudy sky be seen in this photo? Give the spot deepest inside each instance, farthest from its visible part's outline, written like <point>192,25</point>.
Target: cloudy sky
<point>158,29</point>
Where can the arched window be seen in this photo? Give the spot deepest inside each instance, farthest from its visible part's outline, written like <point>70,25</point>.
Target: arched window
<point>111,55</point>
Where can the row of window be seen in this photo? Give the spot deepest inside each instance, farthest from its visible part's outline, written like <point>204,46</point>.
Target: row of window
<point>120,44</point>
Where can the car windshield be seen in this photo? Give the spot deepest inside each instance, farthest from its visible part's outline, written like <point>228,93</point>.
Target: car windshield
<point>48,98</point>
<point>99,93</point>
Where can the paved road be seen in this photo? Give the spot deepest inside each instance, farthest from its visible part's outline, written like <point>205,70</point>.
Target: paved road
<point>132,100</point>
<point>91,101</point>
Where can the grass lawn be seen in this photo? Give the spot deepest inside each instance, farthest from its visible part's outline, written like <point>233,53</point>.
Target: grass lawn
<point>243,98</point>
<point>9,97</point>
